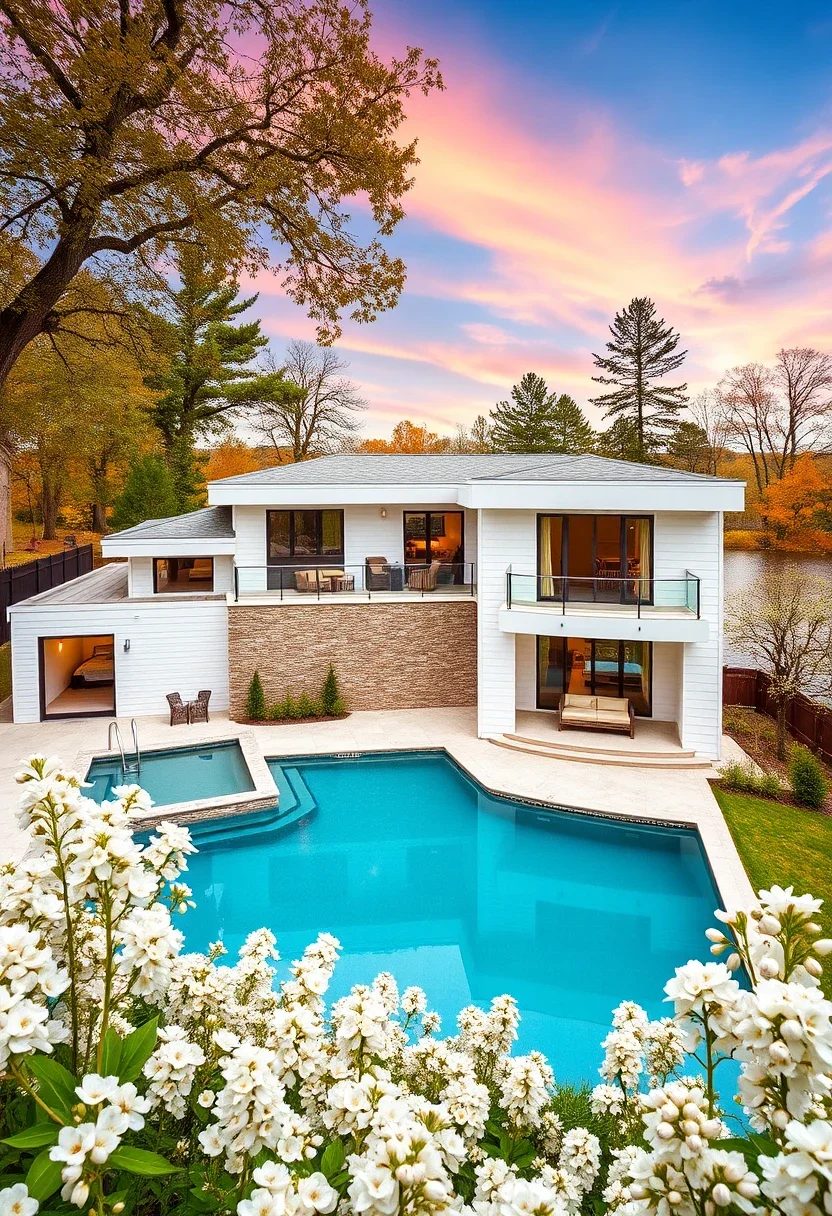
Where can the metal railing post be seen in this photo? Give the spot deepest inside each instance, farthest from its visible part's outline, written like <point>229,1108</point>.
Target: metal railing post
<point>562,595</point>
<point>508,588</point>
<point>638,598</point>
<point>236,584</point>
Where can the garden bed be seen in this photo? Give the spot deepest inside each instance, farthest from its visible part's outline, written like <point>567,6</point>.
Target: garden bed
<point>757,736</point>
<point>292,721</point>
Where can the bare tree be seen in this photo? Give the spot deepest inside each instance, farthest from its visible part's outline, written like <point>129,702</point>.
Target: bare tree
<point>322,417</point>
<point>784,622</point>
<point>778,413</point>
<point>748,397</point>
<point>708,412</point>
<point>805,377</point>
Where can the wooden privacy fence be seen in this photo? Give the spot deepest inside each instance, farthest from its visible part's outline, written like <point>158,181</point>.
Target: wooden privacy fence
<point>19,582</point>
<point>808,721</point>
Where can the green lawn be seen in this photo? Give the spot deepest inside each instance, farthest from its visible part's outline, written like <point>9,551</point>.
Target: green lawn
<point>784,845</point>
<point>5,671</point>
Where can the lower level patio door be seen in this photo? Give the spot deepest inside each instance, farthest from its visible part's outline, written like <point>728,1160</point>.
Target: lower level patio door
<point>595,667</point>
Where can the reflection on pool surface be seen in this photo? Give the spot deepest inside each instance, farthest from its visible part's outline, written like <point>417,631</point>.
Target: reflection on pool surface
<point>178,774</point>
<point>418,871</point>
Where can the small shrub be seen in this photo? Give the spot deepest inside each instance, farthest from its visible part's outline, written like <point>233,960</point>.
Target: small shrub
<point>331,694</point>
<point>744,778</point>
<point>256,700</point>
<point>277,713</point>
<point>305,706</point>
<point>809,785</point>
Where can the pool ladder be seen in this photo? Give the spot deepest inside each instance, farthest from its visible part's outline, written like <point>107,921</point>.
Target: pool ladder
<point>132,766</point>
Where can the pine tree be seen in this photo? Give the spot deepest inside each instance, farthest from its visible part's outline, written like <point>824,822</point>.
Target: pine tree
<point>619,441</point>
<point>572,431</point>
<point>256,709</point>
<point>149,493</point>
<point>331,694</point>
<point>642,350</point>
<point>209,371</point>
<point>528,422</point>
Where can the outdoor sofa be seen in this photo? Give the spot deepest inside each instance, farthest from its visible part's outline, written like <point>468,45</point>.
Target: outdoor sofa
<point>596,713</point>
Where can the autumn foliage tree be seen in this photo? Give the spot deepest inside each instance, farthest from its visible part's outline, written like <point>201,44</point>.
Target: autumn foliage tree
<point>793,509</point>
<point>128,126</point>
<point>407,437</point>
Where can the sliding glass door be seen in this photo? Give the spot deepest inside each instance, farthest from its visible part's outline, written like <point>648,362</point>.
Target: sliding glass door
<point>594,667</point>
<point>595,558</point>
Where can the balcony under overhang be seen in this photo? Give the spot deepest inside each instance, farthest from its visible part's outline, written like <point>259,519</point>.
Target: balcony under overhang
<point>617,621</point>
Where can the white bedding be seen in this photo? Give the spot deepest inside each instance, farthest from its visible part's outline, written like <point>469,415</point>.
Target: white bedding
<point>97,670</point>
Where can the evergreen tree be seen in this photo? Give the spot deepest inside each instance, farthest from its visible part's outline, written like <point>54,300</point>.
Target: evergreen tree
<point>149,493</point>
<point>642,350</point>
<point>689,447</point>
<point>572,431</point>
<point>256,709</point>
<point>528,422</point>
<point>209,370</point>
<point>331,699</point>
<point>619,441</point>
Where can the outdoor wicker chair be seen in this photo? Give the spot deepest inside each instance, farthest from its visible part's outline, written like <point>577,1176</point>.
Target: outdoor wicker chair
<point>425,579</point>
<point>179,714</point>
<point>199,707</point>
<point>377,574</point>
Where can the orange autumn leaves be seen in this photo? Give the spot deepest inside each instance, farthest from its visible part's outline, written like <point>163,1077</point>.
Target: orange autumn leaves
<point>796,512</point>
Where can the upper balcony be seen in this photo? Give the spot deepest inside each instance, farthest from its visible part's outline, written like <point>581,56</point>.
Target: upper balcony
<point>373,579</point>
<point>651,609</point>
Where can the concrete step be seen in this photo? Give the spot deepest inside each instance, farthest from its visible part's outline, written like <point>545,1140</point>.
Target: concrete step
<point>565,743</point>
<point>658,760</point>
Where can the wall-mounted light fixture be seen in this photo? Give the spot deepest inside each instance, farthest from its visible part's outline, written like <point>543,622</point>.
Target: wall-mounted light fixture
<point>383,512</point>
<point>60,647</point>
<point>126,645</point>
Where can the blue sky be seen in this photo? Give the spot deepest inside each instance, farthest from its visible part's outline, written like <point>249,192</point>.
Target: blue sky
<point>585,153</point>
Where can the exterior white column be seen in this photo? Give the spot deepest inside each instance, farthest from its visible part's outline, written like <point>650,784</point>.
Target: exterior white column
<point>505,538</point>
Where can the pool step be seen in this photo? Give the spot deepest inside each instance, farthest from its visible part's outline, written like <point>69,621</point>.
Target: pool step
<point>565,743</point>
<point>620,759</point>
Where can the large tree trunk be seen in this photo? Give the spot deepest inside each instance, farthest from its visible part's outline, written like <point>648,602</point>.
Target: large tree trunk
<point>6,538</point>
<point>99,517</point>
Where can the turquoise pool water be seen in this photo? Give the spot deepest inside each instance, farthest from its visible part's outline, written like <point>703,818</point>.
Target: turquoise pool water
<point>177,774</point>
<point>418,871</point>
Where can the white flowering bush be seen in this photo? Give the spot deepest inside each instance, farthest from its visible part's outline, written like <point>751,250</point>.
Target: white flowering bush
<point>138,1078</point>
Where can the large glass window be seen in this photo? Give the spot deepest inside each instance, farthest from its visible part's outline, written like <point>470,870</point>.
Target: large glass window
<point>595,558</point>
<point>594,667</point>
<point>299,537</point>
<point>434,536</point>
<point>187,574</point>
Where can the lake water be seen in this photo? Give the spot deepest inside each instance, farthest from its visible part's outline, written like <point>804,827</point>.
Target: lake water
<point>744,569</point>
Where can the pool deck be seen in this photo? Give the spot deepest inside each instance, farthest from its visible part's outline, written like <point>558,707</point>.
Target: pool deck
<point>659,796</point>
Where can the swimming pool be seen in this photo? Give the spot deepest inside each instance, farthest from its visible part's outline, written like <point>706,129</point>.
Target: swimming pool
<point>420,872</point>
<point>177,774</point>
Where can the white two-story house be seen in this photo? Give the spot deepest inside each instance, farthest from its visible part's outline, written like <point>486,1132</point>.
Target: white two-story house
<point>495,581</point>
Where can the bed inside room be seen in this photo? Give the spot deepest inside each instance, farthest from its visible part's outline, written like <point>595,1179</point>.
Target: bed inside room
<point>77,676</point>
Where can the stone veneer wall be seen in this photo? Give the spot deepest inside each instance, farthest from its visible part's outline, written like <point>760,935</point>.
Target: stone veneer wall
<point>406,655</point>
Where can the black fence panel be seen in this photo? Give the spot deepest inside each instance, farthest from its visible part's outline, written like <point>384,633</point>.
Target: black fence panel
<point>20,582</point>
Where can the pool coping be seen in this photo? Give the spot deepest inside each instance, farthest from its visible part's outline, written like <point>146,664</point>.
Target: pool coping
<point>264,794</point>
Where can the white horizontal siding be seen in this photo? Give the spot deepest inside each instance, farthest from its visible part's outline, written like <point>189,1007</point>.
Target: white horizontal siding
<point>525,681</point>
<point>667,680</point>
<point>506,538</point>
<point>174,646</point>
<point>693,541</point>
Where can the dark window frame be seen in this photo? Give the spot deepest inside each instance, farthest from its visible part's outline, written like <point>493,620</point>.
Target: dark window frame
<point>564,518</point>
<point>305,559</point>
<point>183,557</point>
<point>427,515</point>
<point>622,642</point>
<point>89,713</point>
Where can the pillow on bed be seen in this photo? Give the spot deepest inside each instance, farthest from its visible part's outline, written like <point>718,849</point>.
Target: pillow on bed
<point>102,652</point>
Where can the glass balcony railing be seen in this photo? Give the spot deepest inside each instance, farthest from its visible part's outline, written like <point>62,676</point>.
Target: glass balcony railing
<point>639,596</point>
<point>333,579</point>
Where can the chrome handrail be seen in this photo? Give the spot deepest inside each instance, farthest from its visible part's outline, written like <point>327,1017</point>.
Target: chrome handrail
<point>559,585</point>
<point>135,766</point>
<point>362,579</point>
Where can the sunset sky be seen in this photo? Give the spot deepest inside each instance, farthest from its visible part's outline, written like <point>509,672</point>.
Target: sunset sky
<point>583,153</point>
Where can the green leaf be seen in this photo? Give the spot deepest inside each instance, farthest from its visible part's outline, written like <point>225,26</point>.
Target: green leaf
<point>136,1050</point>
<point>35,1136</point>
<point>141,1161</point>
<point>56,1085</point>
<point>333,1158</point>
<point>44,1176</point>
<point>204,1201</point>
<point>111,1054</point>
<point>736,1144</point>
